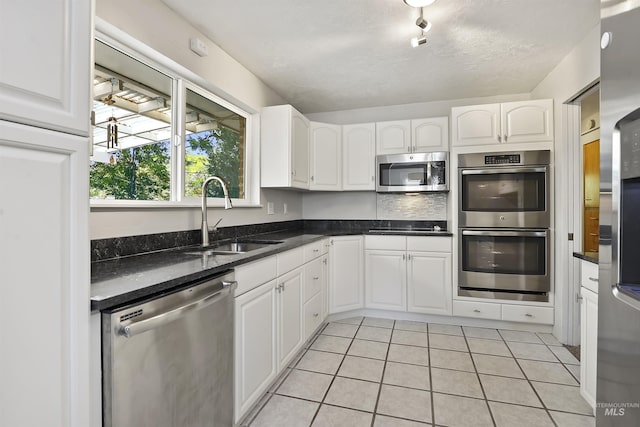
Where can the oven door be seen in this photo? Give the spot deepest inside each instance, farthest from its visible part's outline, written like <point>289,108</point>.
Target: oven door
<point>504,197</point>
<point>508,260</point>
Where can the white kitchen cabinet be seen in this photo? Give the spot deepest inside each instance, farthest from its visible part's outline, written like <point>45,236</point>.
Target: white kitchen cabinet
<point>400,275</point>
<point>385,280</point>
<point>284,141</point>
<point>45,99</point>
<point>324,288</point>
<point>290,327</point>
<point>429,282</point>
<point>510,122</point>
<point>45,77</point>
<point>393,137</point>
<point>255,345</point>
<point>412,136</point>
<point>430,134</point>
<point>358,157</point>
<point>346,283</point>
<point>588,345</point>
<point>326,157</point>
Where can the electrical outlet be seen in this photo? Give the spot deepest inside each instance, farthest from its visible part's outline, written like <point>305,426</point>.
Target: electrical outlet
<point>285,210</point>
<point>270,208</point>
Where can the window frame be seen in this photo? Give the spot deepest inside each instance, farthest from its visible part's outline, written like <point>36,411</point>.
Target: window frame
<point>183,79</point>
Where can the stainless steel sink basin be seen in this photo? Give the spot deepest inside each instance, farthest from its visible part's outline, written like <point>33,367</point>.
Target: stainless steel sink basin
<point>232,248</point>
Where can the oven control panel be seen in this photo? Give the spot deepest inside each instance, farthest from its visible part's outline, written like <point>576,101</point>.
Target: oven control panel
<point>503,159</point>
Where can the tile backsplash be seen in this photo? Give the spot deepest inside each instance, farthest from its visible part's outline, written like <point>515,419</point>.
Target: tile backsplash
<point>420,206</point>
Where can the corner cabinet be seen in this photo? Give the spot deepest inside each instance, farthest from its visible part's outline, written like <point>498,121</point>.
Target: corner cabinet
<point>359,157</point>
<point>509,122</point>
<point>285,143</point>
<point>45,95</point>
<point>326,157</point>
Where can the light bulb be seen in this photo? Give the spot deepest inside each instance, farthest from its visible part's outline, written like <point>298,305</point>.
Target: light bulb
<point>419,3</point>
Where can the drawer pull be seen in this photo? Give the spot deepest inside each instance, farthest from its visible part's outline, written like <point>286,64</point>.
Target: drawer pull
<point>316,314</point>
<point>528,315</point>
<point>315,277</point>
<point>316,250</point>
<point>593,234</point>
<point>475,310</point>
<point>593,279</point>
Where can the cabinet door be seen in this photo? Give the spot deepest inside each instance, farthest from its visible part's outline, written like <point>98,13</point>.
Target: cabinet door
<point>255,345</point>
<point>429,282</point>
<point>44,219</point>
<point>385,280</point>
<point>290,326</point>
<point>588,345</point>
<point>359,156</point>
<point>326,157</point>
<point>393,137</point>
<point>475,125</point>
<point>46,62</point>
<point>346,283</point>
<point>591,173</point>
<point>430,134</point>
<point>527,121</point>
<point>324,286</point>
<point>299,150</point>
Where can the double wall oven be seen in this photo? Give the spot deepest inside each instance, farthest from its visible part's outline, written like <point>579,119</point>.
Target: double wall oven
<point>503,220</point>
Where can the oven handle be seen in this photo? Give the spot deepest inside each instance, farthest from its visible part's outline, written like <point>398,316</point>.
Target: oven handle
<point>504,233</point>
<point>499,170</point>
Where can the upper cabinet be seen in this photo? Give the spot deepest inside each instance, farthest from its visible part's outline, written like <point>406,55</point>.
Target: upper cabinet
<point>412,136</point>
<point>510,122</point>
<point>326,157</point>
<point>284,148</point>
<point>359,156</point>
<point>44,79</point>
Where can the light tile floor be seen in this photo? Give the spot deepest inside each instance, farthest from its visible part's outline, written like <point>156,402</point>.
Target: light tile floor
<point>373,372</point>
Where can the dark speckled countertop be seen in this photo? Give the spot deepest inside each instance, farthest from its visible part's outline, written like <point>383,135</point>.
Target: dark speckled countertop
<point>587,256</point>
<point>120,281</point>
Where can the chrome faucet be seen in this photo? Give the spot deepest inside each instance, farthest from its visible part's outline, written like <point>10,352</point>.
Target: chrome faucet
<point>227,205</point>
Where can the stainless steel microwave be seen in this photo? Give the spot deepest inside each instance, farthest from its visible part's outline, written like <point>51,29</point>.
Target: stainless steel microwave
<point>415,172</point>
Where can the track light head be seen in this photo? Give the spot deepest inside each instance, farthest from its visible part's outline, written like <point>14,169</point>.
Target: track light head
<point>417,41</point>
<point>423,24</point>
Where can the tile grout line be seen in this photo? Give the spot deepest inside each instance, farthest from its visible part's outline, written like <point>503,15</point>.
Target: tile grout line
<point>433,406</point>
<point>384,369</point>
<point>475,368</point>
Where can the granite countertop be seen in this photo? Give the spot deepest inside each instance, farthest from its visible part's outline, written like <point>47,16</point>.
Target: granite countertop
<point>587,256</point>
<point>119,281</point>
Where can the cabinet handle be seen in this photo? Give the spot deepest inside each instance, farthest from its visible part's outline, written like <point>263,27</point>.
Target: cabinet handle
<point>475,310</point>
<point>593,279</point>
<point>316,250</point>
<point>404,257</point>
<point>315,278</point>
<point>505,138</point>
<point>499,138</point>
<point>324,261</point>
<point>373,178</point>
<point>409,149</point>
<point>593,234</point>
<point>409,257</point>
<point>528,315</point>
<point>316,314</point>
<point>311,177</point>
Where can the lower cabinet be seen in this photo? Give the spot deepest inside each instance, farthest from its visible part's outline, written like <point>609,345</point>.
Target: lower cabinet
<point>346,283</point>
<point>289,296</point>
<point>429,282</point>
<point>255,345</point>
<point>385,280</point>
<point>588,345</point>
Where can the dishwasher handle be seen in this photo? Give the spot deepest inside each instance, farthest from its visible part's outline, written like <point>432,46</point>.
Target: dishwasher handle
<point>169,316</point>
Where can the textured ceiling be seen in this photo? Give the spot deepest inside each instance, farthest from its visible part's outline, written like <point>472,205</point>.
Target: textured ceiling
<point>327,55</point>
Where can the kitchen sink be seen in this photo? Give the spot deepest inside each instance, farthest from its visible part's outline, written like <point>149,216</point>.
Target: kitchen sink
<point>232,248</point>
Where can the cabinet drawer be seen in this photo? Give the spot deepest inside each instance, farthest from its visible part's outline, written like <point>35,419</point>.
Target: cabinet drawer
<point>312,278</point>
<point>312,315</point>
<point>526,313</point>
<point>315,249</point>
<point>251,275</point>
<point>429,244</point>
<point>289,260</point>
<point>482,310</point>
<point>589,275</point>
<point>389,243</point>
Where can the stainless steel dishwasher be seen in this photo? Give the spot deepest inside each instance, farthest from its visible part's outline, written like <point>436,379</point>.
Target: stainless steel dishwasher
<point>168,361</point>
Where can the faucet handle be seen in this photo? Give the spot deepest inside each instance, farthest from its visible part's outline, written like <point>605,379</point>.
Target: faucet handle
<point>215,226</point>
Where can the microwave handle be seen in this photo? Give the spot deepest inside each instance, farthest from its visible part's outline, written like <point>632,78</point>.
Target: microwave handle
<point>428,173</point>
<point>503,170</point>
<point>504,233</point>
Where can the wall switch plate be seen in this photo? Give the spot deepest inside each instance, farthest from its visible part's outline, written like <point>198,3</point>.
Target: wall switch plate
<point>285,209</point>
<point>270,208</point>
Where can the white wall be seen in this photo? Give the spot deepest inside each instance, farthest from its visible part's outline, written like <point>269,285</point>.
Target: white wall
<point>153,24</point>
<point>579,70</point>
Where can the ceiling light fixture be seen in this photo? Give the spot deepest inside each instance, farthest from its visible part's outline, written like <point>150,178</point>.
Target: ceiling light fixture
<point>419,3</point>
<point>424,25</point>
<point>417,41</point>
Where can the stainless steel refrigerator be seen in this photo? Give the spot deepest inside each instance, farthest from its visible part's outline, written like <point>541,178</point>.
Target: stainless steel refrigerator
<point>618,376</point>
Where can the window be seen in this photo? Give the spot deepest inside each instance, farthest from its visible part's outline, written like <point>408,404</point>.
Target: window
<point>136,117</point>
